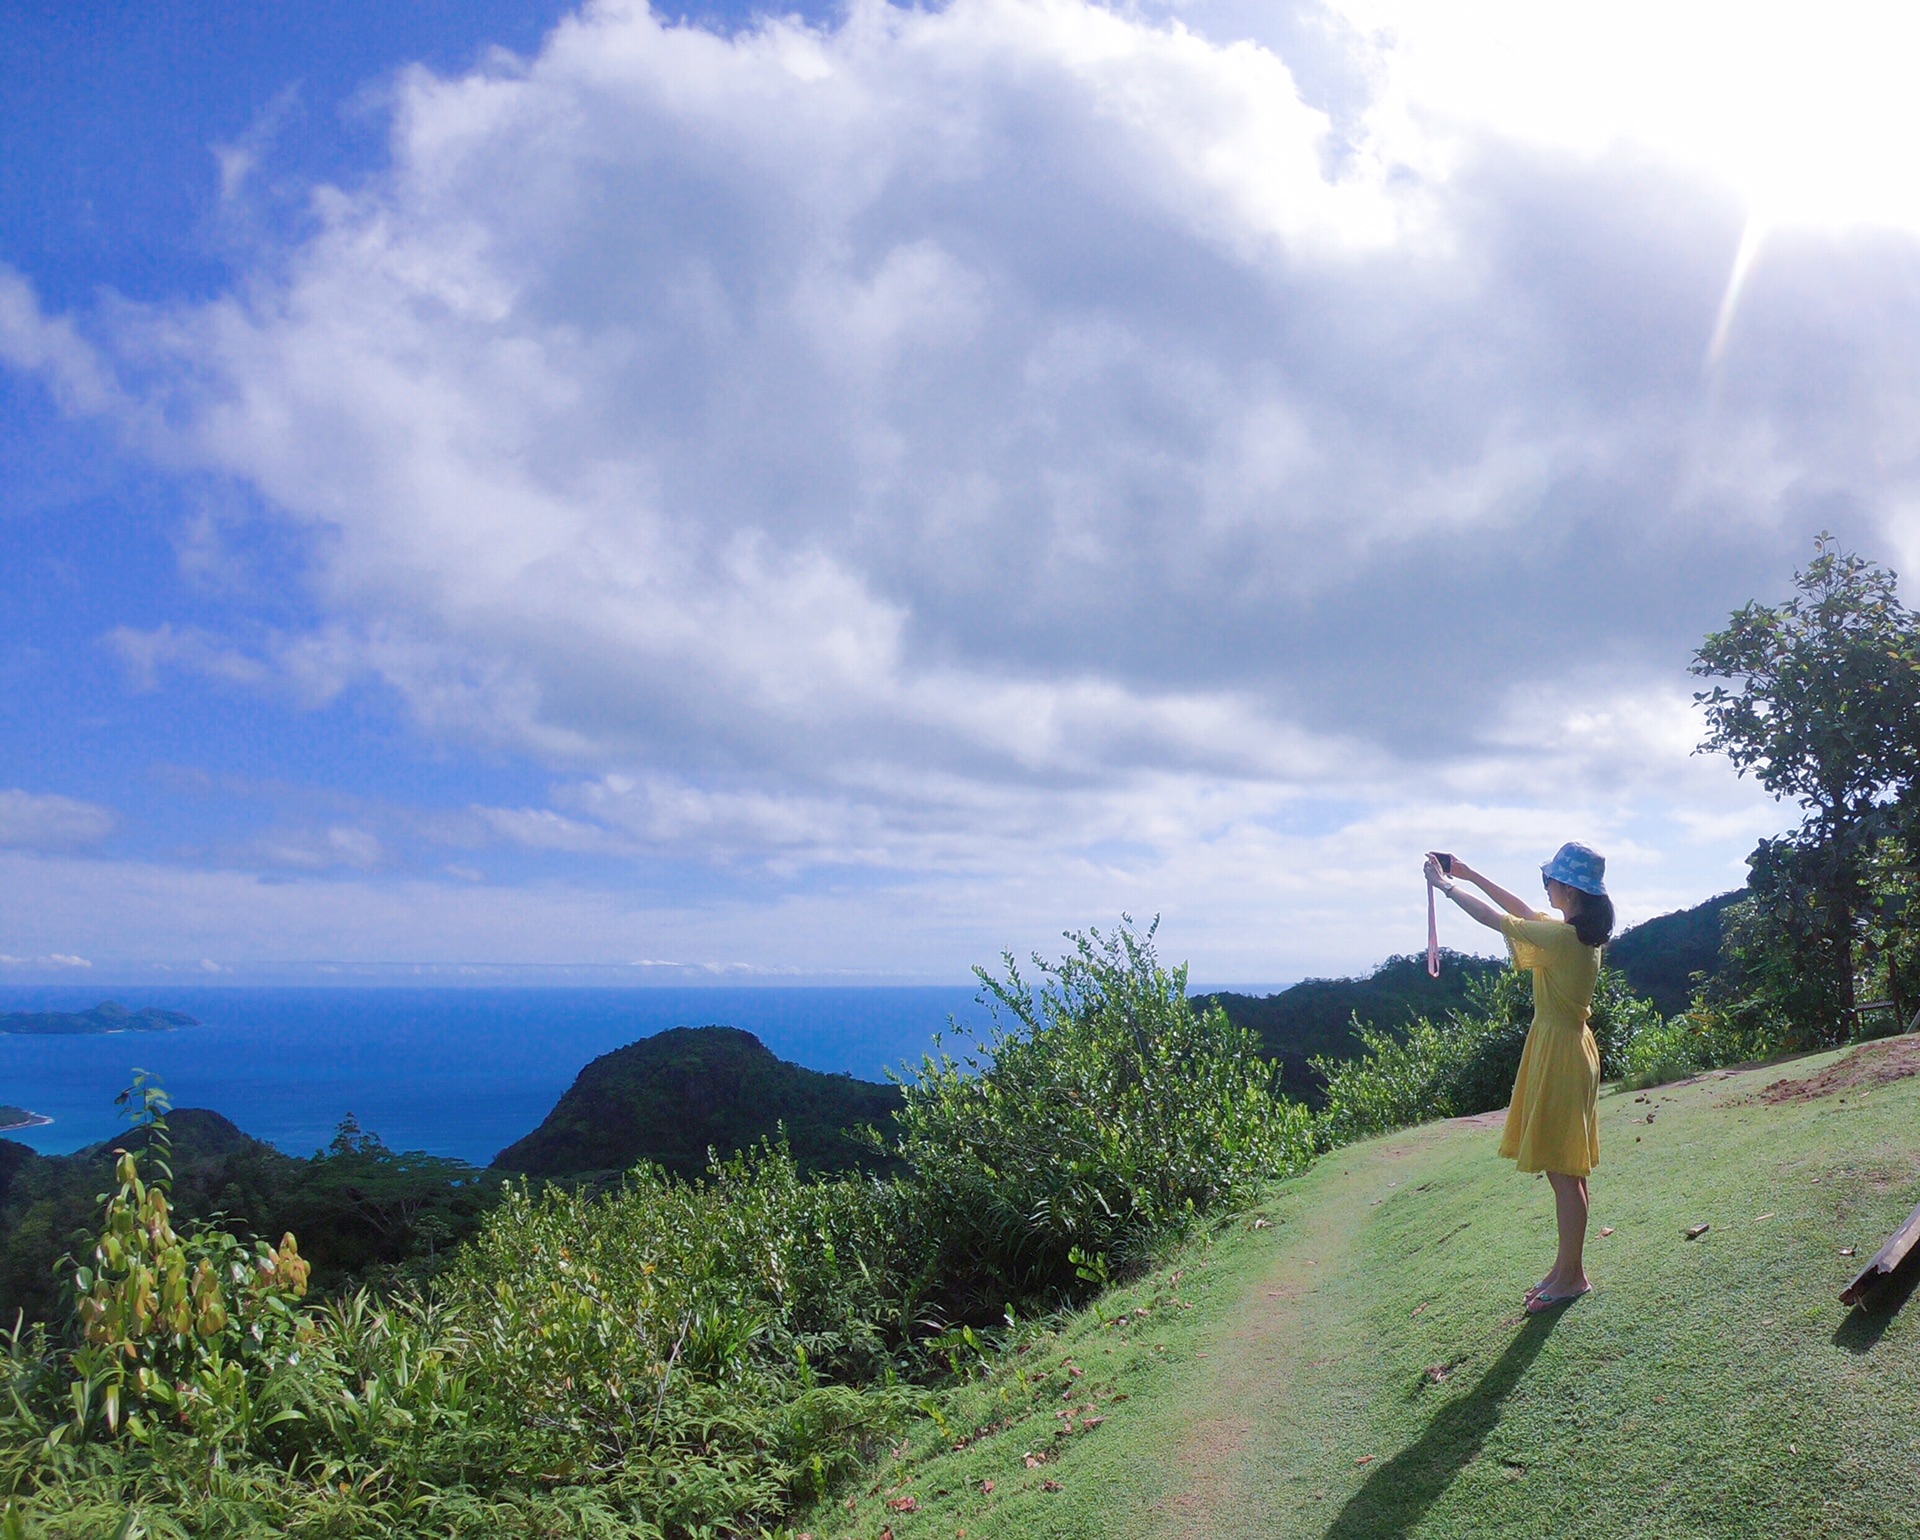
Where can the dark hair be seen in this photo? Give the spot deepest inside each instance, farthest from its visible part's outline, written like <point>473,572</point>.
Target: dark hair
<point>1593,921</point>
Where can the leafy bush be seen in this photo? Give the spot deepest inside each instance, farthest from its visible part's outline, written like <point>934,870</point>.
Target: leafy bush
<point>1395,1083</point>
<point>684,1331</point>
<point>1670,1051</point>
<point>1100,1113</point>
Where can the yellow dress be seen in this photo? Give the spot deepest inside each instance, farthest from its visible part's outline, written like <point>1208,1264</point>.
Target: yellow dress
<point>1551,1125</point>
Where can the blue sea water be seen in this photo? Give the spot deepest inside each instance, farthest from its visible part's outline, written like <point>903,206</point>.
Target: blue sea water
<point>460,1072</point>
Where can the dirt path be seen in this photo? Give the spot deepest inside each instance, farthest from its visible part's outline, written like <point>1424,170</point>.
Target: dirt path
<point>1282,1347</point>
<point>1252,1464</point>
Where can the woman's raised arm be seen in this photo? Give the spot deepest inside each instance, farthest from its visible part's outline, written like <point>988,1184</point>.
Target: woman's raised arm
<point>1493,890</point>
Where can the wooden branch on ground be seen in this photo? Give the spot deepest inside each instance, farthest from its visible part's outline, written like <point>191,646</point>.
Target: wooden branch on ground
<point>1886,1261</point>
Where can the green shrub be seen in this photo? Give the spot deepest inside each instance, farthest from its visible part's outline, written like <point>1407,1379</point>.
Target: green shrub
<point>685,1330</point>
<point>1670,1051</point>
<point>1395,1083</point>
<point>1098,1115</point>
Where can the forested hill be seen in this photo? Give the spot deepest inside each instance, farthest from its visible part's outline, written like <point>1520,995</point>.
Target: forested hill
<point>1661,955</point>
<point>1315,1017</point>
<point>359,1209</point>
<point>669,1097</point>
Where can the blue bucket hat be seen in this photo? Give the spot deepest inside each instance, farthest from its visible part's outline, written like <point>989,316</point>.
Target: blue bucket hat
<point>1578,866</point>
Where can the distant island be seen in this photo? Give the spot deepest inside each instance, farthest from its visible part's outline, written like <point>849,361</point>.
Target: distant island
<point>13,1119</point>
<point>108,1016</point>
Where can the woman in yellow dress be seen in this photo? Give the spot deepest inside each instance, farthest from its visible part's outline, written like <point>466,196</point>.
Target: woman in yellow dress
<point>1551,1124</point>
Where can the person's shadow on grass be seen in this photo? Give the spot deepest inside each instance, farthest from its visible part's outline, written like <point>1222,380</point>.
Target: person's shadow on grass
<point>1396,1495</point>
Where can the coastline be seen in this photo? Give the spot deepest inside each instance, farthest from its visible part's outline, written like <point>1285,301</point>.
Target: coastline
<point>31,1120</point>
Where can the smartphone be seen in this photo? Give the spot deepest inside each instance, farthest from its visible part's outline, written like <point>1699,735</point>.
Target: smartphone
<point>1445,860</point>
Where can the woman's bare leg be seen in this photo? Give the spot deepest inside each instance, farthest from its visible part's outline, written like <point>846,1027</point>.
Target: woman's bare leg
<point>1569,1275</point>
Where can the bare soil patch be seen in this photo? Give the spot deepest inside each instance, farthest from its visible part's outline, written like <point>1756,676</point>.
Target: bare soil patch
<point>1871,1064</point>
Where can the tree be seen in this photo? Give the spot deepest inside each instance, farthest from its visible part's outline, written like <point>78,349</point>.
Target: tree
<point>1822,706</point>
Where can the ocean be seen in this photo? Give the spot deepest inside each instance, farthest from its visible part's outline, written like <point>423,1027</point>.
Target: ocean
<point>461,1072</point>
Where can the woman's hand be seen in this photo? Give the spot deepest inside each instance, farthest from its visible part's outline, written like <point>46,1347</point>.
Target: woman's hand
<point>1436,878</point>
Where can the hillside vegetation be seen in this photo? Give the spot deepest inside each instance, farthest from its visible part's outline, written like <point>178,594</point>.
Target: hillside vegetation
<point>1321,1022</point>
<point>364,1212</point>
<point>1322,1018</point>
<point>1351,1362</point>
<point>659,1358</point>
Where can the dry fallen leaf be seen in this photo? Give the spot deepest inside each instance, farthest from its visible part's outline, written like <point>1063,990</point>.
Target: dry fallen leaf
<point>1421,1306</point>
<point>986,1486</point>
<point>1262,1224</point>
<point>1606,1232</point>
<point>1759,1217</point>
<point>905,1505</point>
<point>1847,1251</point>
<point>1697,1231</point>
<point>1049,1486</point>
<point>1365,1459</point>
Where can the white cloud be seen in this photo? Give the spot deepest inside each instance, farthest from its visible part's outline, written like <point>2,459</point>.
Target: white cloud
<point>51,348</point>
<point>1080,456</point>
<point>29,822</point>
<point>314,850</point>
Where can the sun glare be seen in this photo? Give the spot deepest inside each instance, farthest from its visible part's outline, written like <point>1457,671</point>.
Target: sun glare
<point>1806,114</point>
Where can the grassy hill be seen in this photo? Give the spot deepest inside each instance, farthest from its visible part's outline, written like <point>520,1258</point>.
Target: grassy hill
<point>669,1097</point>
<point>1352,1362</point>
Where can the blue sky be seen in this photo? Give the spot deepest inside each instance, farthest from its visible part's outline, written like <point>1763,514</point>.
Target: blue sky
<point>838,495</point>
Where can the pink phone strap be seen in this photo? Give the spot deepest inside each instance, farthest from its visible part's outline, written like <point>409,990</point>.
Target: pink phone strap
<point>1433,938</point>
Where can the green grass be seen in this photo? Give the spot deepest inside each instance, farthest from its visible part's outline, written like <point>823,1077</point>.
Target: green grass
<point>1281,1381</point>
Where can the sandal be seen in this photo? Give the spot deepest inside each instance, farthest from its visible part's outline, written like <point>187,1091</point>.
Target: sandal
<point>1546,1301</point>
